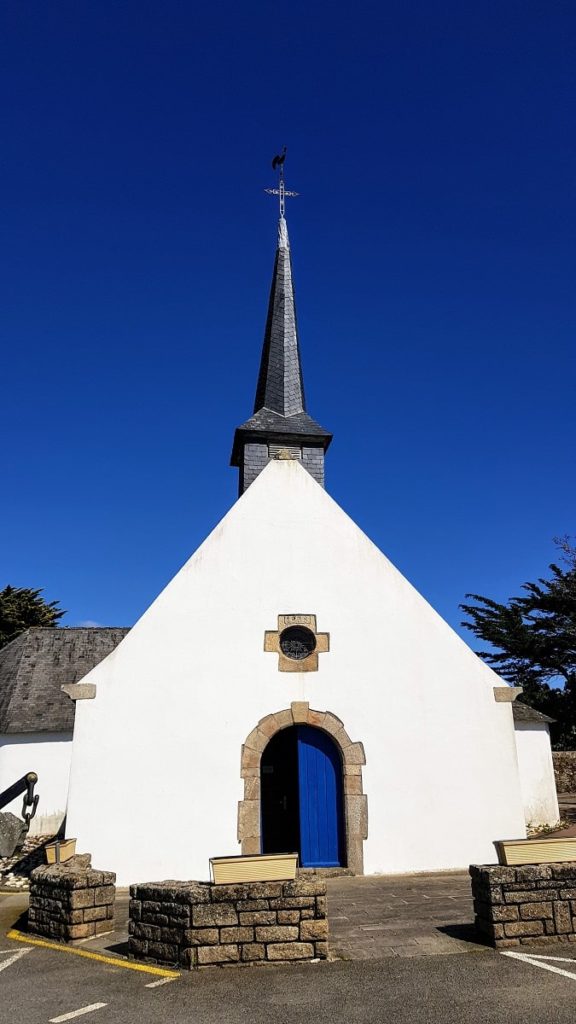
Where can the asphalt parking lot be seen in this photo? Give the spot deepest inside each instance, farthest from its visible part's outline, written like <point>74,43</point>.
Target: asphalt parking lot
<point>42,986</point>
<point>394,978</point>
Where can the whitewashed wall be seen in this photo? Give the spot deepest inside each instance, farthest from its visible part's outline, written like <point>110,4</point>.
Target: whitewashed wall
<point>536,773</point>
<point>49,755</point>
<point>156,763</point>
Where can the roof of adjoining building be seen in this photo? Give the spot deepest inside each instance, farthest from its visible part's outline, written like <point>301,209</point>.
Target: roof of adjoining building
<point>37,663</point>
<point>524,713</point>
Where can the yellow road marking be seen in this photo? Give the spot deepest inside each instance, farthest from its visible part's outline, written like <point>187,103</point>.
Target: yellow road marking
<point>144,968</point>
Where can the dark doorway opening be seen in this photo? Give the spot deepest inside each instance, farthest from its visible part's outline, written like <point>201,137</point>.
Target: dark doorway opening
<point>279,794</point>
<point>302,800</point>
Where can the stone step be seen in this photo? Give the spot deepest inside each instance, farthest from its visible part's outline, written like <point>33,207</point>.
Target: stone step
<point>325,872</point>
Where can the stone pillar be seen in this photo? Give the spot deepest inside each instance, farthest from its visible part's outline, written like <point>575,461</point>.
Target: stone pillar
<point>71,901</point>
<point>531,903</point>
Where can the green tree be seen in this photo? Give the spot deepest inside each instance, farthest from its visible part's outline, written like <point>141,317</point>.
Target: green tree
<point>20,608</point>
<point>532,641</point>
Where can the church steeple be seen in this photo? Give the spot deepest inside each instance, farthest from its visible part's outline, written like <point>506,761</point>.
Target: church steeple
<point>280,426</point>
<point>280,386</point>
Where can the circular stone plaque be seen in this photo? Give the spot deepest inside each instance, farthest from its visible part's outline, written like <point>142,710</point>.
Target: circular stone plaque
<point>297,642</point>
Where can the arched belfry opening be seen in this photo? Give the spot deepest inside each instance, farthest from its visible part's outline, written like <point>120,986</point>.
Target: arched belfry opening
<point>302,806</point>
<point>303,789</point>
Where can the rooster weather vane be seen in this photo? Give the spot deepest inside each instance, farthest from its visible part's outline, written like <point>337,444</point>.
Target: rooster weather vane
<point>281,191</point>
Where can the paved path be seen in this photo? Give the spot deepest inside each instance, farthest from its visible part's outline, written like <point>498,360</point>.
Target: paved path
<point>376,916</point>
<point>370,917</point>
<point>401,915</point>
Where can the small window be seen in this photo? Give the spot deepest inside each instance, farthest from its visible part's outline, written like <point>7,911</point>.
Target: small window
<point>297,642</point>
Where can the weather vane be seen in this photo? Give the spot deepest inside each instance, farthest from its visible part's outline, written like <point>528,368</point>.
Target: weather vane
<point>281,191</point>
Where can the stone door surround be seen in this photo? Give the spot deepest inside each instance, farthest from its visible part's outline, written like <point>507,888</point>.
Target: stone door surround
<point>353,757</point>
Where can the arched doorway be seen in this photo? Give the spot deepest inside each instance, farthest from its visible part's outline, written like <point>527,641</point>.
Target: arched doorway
<point>302,802</point>
<point>352,756</point>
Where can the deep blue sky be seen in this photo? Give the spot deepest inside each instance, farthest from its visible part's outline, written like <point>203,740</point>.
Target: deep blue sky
<point>433,250</point>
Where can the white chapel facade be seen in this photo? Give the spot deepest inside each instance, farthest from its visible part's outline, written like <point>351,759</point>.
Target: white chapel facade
<point>289,689</point>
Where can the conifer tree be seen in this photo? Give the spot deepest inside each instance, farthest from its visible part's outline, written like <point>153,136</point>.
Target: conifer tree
<point>532,641</point>
<point>20,608</point>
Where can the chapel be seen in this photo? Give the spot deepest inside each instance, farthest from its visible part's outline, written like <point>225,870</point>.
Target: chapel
<point>289,689</point>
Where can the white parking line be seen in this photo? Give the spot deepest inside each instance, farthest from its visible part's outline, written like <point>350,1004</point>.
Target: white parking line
<point>562,959</point>
<point>77,1013</point>
<point>14,957</point>
<point>156,984</point>
<point>536,960</point>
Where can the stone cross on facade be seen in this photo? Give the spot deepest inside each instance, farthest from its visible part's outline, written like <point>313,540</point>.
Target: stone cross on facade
<point>297,643</point>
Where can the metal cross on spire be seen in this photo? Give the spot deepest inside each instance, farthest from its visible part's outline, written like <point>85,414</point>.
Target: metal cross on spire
<point>281,191</point>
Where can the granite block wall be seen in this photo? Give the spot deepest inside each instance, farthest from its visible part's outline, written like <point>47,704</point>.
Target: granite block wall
<point>532,903</point>
<point>565,770</point>
<point>71,904</point>
<point>198,924</point>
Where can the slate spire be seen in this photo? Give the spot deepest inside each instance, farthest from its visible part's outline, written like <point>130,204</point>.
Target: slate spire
<point>280,427</point>
<point>280,386</point>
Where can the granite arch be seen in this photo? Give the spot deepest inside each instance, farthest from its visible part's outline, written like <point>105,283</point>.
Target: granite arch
<point>353,759</point>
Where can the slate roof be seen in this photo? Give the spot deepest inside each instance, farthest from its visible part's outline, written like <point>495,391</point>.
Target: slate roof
<point>280,405</point>
<point>37,663</point>
<point>524,713</point>
<point>267,425</point>
<point>273,422</point>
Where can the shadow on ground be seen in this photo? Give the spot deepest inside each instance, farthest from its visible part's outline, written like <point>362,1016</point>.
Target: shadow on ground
<point>464,933</point>
<point>31,855</point>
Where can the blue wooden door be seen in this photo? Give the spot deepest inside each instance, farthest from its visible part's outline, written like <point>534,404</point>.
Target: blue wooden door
<point>320,797</point>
